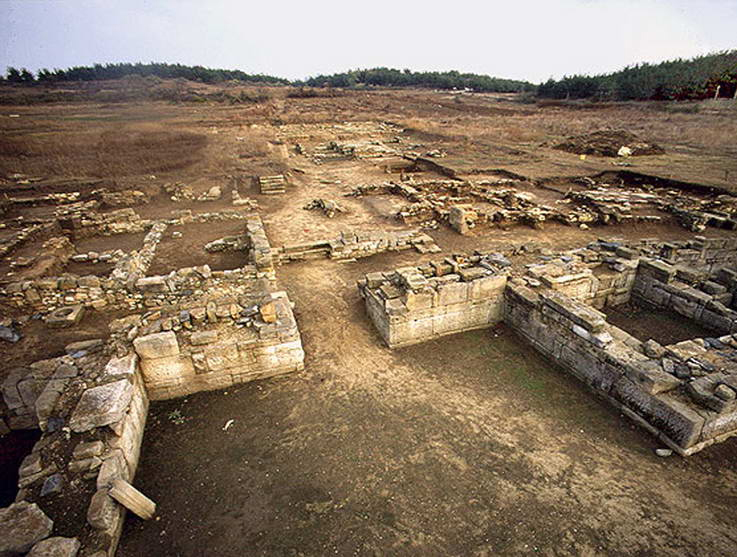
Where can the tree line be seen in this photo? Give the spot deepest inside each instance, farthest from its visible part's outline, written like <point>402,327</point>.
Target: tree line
<point>387,77</point>
<point>680,79</point>
<point>384,77</point>
<point>694,78</point>
<point>117,71</point>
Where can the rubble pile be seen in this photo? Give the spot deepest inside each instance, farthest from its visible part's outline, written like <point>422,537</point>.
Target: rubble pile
<point>239,201</point>
<point>465,205</point>
<point>339,142</point>
<point>179,192</point>
<point>327,206</point>
<point>124,198</point>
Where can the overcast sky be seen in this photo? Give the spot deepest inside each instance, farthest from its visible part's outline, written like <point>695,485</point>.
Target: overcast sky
<point>521,39</point>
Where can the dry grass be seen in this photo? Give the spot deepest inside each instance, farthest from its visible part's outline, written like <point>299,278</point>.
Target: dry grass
<point>105,154</point>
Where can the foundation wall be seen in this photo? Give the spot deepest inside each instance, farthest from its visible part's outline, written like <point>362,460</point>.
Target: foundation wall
<point>685,394</point>
<point>216,353</point>
<point>439,307</point>
<point>707,302</point>
<point>92,411</point>
<point>579,339</point>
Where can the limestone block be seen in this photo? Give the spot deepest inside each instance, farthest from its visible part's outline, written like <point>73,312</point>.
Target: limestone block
<point>487,287</point>
<point>29,390</point>
<point>651,378</point>
<point>114,466</point>
<point>656,269</point>
<point>588,318</point>
<point>157,345</point>
<point>686,307</point>
<point>152,284</point>
<point>452,293</point>
<point>575,286</point>
<point>222,356</point>
<point>102,405</point>
<point>47,400</point>
<point>679,422</point>
<point>11,395</point>
<point>203,337</point>
<point>418,300</point>
<point>395,306</point>
<point>170,369</point>
<point>449,323</point>
<point>411,332</point>
<point>88,450</point>
<point>56,547</point>
<point>21,526</point>
<point>129,442</point>
<point>716,321</point>
<point>124,367</point>
<point>65,317</point>
<point>103,512</point>
<point>719,424</point>
<point>212,381</point>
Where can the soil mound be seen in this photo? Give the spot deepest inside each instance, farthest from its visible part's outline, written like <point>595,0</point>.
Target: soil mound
<point>608,143</point>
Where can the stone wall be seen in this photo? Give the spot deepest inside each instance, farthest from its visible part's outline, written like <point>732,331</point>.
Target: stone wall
<point>129,288</point>
<point>25,234</point>
<point>92,410</point>
<point>686,394</point>
<point>415,304</point>
<point>651,384</point>
<point>707,299</point>
<point>134,265</point>
<point>221,345</point>
<point>259,248</point>
<point>356,244</point>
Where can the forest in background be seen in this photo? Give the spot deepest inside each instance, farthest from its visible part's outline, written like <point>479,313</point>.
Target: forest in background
<point>691,79</point>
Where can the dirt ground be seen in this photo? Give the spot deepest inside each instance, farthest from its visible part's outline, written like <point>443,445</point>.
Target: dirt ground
<point>662,326</point>
<point>469,445</point>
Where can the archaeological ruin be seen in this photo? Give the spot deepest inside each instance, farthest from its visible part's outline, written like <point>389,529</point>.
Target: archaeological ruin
<point>116,296</point>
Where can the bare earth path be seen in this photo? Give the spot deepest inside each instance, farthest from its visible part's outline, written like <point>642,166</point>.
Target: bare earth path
<point>472,445</point>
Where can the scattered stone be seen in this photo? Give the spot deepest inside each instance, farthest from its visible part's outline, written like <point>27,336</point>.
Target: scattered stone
<point>56,547</point>
<point>663,452</point>
<point>9,334</point>
<point>52,485</point>
<point>22,525</point>
<point>725,393</point>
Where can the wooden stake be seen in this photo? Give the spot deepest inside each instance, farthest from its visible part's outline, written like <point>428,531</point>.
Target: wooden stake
<point>132,499</point>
